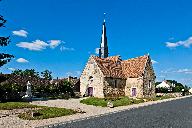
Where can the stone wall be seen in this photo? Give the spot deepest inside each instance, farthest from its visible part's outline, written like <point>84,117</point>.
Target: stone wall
<point>134,83</point>
<point>114,87</point>
<point>149,80</point>
<point>174,94</point>
<point>93,72</point>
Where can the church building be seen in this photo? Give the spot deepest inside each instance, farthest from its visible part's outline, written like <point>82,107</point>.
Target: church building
<point>105,76</point>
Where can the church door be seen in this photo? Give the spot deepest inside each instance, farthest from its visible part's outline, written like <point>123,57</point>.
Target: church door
<point>134,92</point>
<point>90,91</point>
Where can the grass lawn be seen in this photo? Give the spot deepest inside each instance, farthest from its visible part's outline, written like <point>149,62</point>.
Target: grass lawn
<point>16,105</point>
<point>122,101</point>
<point>46,112</point>
<point>161,98</point>
<point>42,112</point>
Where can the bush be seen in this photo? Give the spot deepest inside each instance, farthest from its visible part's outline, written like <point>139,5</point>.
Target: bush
<point>11,92</point>
<point>161,90</point>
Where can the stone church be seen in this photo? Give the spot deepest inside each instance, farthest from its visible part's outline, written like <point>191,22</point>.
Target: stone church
<point>105,76</point>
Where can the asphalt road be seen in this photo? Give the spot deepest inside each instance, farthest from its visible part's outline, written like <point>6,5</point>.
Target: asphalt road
<point>172,114</point>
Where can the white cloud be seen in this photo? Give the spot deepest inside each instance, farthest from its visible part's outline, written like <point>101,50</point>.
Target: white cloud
<point>73,73</point>
<point>12,69</point>
<point>154,62</point>
<point>186,71</point>
<point>97,50</point>
<point>183,71</point>
<point>36,45</point>
<point>169,70</point>
<point>171,45</point>
<point>162,76</point>
<point>63,48</point>
<point>39,45</point>
<point>186,43</point>
<point>54,43</point>
<point>21,33</point>
<point>22,60</point>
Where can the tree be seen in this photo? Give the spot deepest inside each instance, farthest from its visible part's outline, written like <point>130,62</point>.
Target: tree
<point>4,41</point>
<point>17,72</point>
<point>31,73</point>
<point>65,87</point>
<point>46,75</point>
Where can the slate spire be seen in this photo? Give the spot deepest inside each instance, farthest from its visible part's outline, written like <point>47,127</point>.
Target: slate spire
<point>103,51</point>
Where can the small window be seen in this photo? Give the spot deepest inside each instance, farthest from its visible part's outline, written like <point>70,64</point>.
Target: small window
<point>149,86</point>
<point>115,83</point>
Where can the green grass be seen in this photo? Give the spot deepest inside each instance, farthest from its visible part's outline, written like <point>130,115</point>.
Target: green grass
<point>47,112</point>
<point>122,101</point>
<point>95,101</point>
<point>16,105</point>
<point>162,97</point>
<point>43,112</point>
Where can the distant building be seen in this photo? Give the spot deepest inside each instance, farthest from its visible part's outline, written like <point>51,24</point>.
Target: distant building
<point>105,76</point>
<point>164,84</point>
<point>190,90</point>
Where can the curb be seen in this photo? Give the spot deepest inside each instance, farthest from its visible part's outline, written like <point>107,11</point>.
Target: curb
<point>108,113</point>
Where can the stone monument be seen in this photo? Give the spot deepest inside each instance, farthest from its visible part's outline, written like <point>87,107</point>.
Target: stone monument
<point>28,94</point>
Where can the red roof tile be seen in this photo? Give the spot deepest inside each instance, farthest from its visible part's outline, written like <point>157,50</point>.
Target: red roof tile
<point>116,68</point>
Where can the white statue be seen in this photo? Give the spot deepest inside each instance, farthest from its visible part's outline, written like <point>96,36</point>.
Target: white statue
<point>28,92</point>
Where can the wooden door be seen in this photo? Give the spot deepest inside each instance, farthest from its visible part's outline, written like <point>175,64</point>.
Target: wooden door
<point>90,91</point>
<point>134,93</point>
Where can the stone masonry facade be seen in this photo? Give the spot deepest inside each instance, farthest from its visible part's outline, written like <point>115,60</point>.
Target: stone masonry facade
<point>112,77</point>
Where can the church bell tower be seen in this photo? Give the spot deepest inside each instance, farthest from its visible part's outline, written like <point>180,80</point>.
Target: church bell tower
<point>103,51</point>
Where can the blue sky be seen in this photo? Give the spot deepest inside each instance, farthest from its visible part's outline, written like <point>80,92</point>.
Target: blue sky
<point>61,35</point>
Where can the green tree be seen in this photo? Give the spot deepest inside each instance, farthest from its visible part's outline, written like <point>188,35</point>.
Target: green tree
<point>4,41</point>
<point>30,72</point>
<point>46,75</point>
<point>26,72</point>
<point>17,72</point>
<point>65,87</point>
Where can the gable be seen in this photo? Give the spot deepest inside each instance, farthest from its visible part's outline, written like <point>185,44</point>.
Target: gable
<point>149,69</point>
<point>91,68</point>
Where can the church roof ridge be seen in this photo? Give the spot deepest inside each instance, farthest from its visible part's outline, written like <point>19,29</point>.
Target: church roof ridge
<point>146,55</point>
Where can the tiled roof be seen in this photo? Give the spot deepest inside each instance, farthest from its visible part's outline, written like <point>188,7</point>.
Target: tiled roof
<point>110,67</point>
<point>116,68</point>
<point>134,67</point>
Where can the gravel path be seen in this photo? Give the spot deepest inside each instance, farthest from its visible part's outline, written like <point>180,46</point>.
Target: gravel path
<point>12,121</point>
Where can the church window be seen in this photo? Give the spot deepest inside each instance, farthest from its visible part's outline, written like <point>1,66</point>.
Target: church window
<point>115,85</point>
<point>149,86</point>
